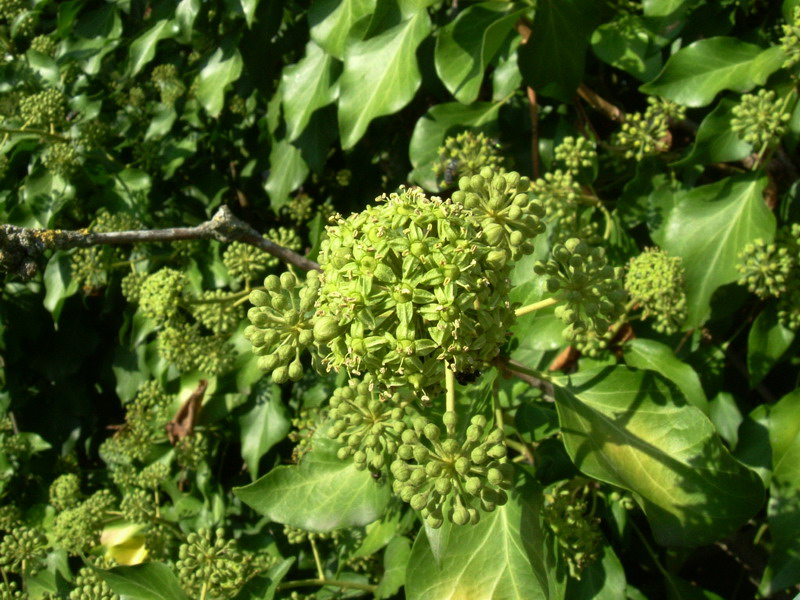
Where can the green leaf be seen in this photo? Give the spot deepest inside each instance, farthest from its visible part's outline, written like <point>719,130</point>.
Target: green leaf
<point>466,46</point>
<point>58,283</point>
<point>43,65</point>
<point>380,76</point>
<point>603,579</point>
<point>783,510</point>
<point>249,8</point>
<point>663,8</point>
<point>654,356</point>
<point>185,14</point>
<point>395,561</point>
<point>708,226</point>
<point>143,48</point>
<point>333,23</point>
<point>263,427</point>
<point>715,140</point>
<point>161,124</point>
<point>307,85</point>
<point>506,555</point>
<point>726,417</point>
<point>148,581</point>
<point>632,429</point>
<point>767,343</point>
<point>221,69</point>
<point>694,75</point>
<point>626,43</point>
<point>439,122</point>
<point>287,170</point>
<point>552,60</point>
<point>320,494</point>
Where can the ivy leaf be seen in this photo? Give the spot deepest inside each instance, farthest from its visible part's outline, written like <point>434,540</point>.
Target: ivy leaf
<point>58,283</point>
<point>333,23</point>
<point>655,356</point>
<point>627,43</point>
<point>552,60</point>
<point>783,510</point>
<point>466,46</point>
<point>395,563</point>
<point>222,68</point>
<point>767,342</point>
<point>506,555</point>
<point>148,581</point>
<point>380,76</point>
<point>263,427</point>
<point>439,122</point>
<point>249,8</point>
<point>694,75</point>
<point>663,8</point>
<point>716,141</point>
<point>143,48</point>
<point>307,86</point>
<point>632,429</point>
<point>708,227</point>
<point>320,494</point>
<point>287,170</point>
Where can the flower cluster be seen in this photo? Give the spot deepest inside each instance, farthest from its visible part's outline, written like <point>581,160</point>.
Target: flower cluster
<point>168,82</point>
<point>655,281</point>
<point>644,134</point>
<point>77,530</point>
<point>210,565</point>
<point>282,325</point>
<point>23,551</point>
<point>368,427</point>
<point>61,158</point>
<point>90,266</point>
<point>465,155</point>
<point>577,532</point>
<point>409,285</point>
<point>504,211</point>
<point>790,41</point>
<point>247,263</point>
<point>440,476</point>
<point>88,585</point>
<point>44,109</point>
<point>576,153</point>
<point>759,119</point>
<point>588,288</point>
<point>765,268</point>
<point>65,491</point>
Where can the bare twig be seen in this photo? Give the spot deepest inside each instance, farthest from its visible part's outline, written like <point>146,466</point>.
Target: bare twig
<point>600,104</point>
<point>22,248</point>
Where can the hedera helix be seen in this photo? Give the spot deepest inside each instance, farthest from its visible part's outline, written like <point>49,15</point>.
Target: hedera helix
<point>412,291</point>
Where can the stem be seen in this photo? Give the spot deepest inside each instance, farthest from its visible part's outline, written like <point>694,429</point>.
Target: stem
<point>450,384</point>
<point>222,300</point>
<point>600,104</point>
<point>534,108</point>
<point>353,585</point>
<point>22,247</point>
<point>40,132</point>
<point>317,561</point>
<point>498,411</point>
<point>524,310</point>
<point>204,590</point>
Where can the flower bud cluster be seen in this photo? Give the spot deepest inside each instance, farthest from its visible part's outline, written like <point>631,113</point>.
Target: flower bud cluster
<point>216,311</point>
<point>90,266</point>
<point>465,155</point>
<point>282,325</point>
<point>246,262</point>
<point>367,425</point>
<point>77,530</point>
<point>209,564</point>
<point>161,293</point>
<point>61,158</point>
<point>790,41</point>
<point>589,288</point>
<point>765,268</point>
<point>23,550</point>
<point>576,153</point>
<point>561,196</point>
<point>88,585</point>
<point>655,281</point>
<point>170,87</point>
<point>65,492</point>
<point>439,476</point>
<point>577,532</point>
<point>185,346</point>
<point>191,451</point>
<point>759,119</point>
<point>131,285</point>
<point>644,134</point>
<point>409,284</point>
<point>300,208</point>
<point>501,206</point>
<point>44,109</point>
<point>44,44</point>
<point>295,535</point>
<point>11,591</point>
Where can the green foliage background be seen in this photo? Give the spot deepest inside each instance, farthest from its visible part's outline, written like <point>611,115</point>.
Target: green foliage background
<point>667,452</point>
